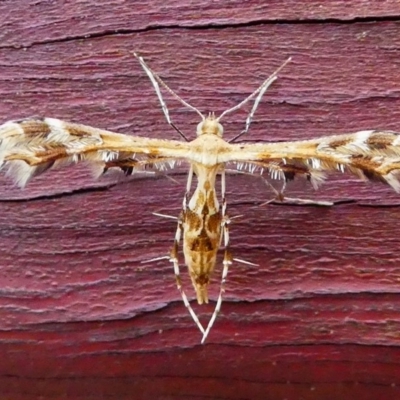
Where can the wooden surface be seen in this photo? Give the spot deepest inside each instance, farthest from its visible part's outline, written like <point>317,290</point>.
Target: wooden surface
<point>82,318</point>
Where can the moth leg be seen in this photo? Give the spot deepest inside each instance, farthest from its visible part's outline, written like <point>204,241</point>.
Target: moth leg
<point>174,253</point>
<point>174,260</point>
<point>227,259</point>
<point>227,262</point>
<point>188,186</point>
<point>278,193</point>
<point>281,198</point>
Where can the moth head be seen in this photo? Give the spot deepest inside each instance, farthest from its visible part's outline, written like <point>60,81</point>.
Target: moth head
<point>210,125</point>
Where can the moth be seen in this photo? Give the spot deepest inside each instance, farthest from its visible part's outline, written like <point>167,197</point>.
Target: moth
<point>29,147</point>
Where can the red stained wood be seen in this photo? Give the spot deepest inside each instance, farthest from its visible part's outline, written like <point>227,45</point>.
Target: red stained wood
<point>82,317</point>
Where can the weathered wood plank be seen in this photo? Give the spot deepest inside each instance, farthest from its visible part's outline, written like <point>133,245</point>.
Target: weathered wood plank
<point>81,316</point>
<point>43,21</point>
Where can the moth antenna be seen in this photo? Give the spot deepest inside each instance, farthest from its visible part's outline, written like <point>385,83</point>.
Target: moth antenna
<point>260,91</point>
<point>263,89</point>
<point>156,80</point>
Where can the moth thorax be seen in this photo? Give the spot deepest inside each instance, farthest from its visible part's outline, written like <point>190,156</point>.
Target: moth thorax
<point>210,125</point>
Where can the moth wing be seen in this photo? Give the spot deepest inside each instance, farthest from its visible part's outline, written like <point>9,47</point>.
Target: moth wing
<point>31,147</point>
<point>371,155</point>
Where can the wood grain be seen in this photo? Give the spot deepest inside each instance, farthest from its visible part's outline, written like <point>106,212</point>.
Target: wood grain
<point>82,317</point>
